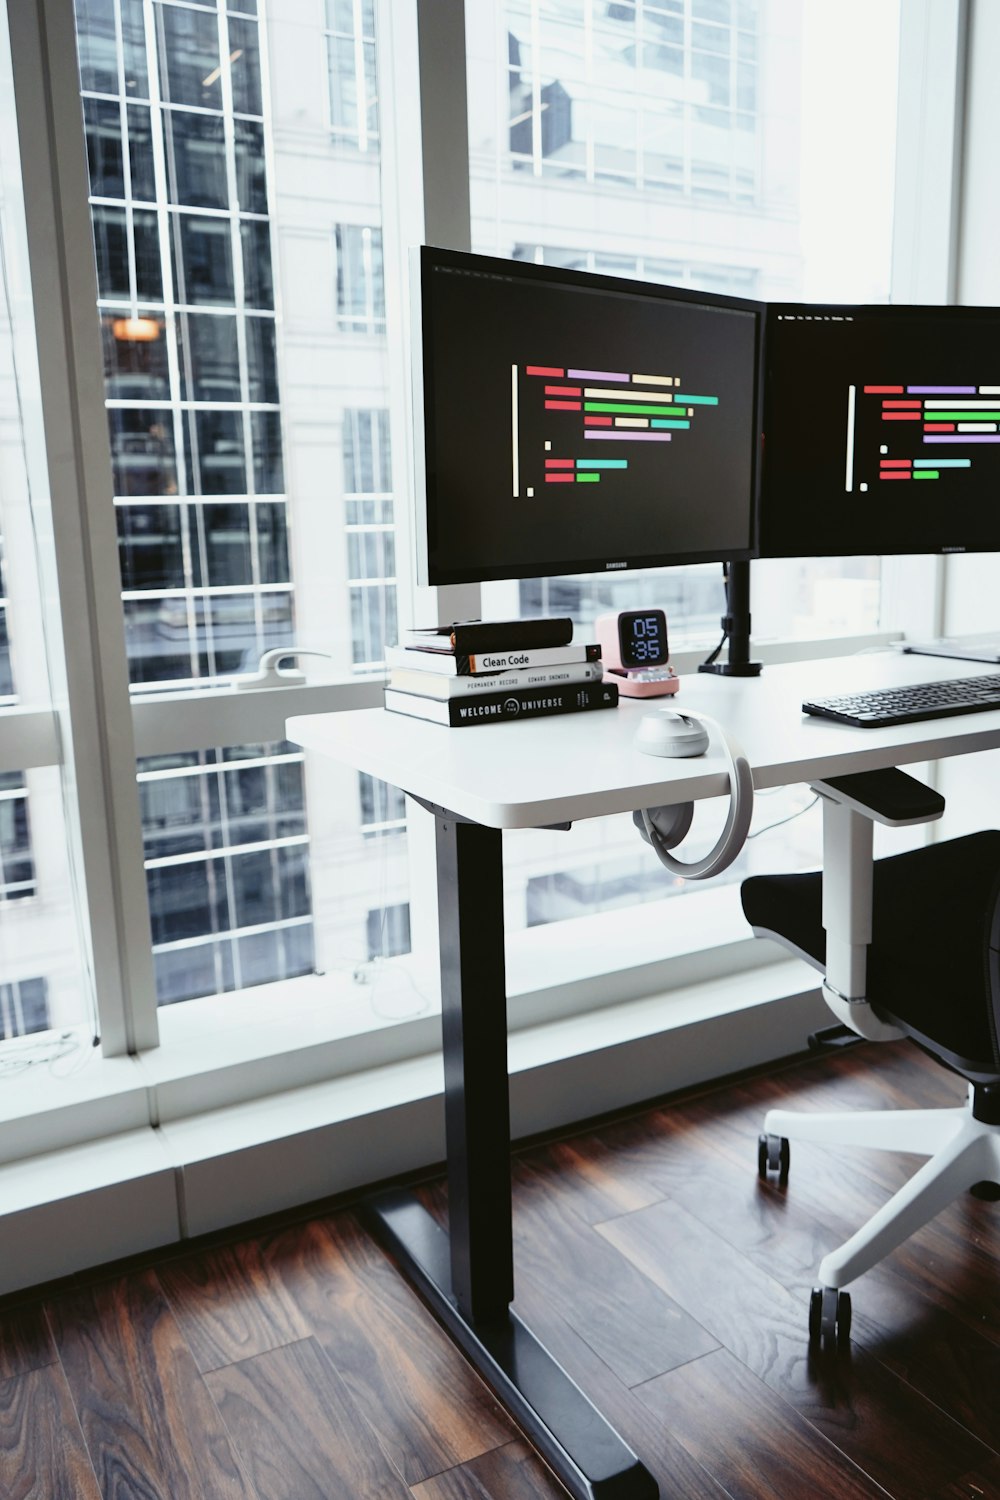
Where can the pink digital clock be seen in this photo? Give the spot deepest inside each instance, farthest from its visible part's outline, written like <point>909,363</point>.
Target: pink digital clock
<point>635,653</point>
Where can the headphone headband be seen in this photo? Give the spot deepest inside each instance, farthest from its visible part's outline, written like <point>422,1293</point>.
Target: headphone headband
<point>733,835</point>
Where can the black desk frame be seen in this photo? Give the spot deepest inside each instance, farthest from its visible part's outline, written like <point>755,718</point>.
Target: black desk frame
<point>467,1275</point>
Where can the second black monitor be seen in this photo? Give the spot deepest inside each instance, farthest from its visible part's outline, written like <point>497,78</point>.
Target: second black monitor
<point>881,430</point>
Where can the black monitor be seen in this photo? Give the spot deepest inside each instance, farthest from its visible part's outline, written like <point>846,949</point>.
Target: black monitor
<point>575,423</point>
<point>881,430</point>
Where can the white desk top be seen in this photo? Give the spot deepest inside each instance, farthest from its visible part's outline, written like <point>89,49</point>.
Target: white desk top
<point>571,766</point>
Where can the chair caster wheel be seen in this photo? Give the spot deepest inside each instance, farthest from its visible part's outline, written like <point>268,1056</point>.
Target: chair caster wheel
<point>773,1155</point>
<point>829,1317</point>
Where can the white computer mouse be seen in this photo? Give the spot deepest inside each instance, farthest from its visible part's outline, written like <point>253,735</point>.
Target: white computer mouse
<point>667,731</point>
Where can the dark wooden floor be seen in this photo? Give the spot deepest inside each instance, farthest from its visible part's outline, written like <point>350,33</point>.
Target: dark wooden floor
<point>298,1365</point>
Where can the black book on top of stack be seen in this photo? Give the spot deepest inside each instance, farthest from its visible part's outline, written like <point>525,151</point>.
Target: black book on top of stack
<point>486,671</point>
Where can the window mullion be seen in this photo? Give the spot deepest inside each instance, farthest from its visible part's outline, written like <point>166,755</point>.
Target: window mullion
<point>92,699</point>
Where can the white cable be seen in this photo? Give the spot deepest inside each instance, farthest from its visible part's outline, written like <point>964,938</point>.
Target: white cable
<point>737,825</point>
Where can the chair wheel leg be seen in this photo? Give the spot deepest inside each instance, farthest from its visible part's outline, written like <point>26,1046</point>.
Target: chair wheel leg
<point>773,1155</point>
<point>829,1317</point>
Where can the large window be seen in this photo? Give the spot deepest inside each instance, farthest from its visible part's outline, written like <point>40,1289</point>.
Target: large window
<point>682,141</point>
<point>241,483</point>
<point>250,442</point>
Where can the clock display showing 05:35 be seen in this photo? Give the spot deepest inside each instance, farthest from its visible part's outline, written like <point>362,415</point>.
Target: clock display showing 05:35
<point>642,639</point>
<point>635,652</point>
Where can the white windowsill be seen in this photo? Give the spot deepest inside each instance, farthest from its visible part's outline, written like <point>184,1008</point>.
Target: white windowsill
<point>132,1189</point>
<point>229,1049</point>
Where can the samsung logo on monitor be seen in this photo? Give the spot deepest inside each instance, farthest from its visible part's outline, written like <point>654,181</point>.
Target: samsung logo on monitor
<point>952,549</point>
<point>616,565</point>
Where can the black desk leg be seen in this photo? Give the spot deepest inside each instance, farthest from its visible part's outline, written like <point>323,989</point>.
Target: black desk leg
<point>467,1276</point>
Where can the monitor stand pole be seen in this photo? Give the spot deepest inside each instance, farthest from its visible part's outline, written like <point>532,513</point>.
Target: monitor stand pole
<point>736,625</point>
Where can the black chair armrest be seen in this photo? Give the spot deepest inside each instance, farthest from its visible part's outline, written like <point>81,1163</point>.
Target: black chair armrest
<point>889,796</point>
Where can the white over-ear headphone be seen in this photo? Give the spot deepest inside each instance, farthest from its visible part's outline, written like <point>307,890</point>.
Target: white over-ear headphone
<point>664,827</point>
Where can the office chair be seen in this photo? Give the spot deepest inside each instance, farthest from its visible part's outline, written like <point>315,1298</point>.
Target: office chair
<point>909,946</point>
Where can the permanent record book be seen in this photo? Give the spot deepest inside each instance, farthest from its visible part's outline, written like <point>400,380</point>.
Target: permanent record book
<point>438,685</point>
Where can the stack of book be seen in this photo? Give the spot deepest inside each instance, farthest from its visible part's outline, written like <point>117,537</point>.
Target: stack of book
<point>485,671</point>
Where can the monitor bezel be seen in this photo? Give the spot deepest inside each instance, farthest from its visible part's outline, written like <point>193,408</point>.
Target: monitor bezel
<point>427,259</point>
<point>822,312</point>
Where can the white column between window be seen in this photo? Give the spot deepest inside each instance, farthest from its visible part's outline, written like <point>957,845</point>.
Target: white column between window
<point>91,700</point>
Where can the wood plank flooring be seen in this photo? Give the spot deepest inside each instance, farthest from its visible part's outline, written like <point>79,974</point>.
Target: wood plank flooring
<point>295,1363</point>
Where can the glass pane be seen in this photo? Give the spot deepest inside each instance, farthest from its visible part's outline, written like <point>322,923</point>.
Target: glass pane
<point>655,113</point>
<point>258,285</point>
<point>216,458</point>
<point>188,46</point>
<point>654,143</point>
<point>111,248</point>
<point>135,356</point>
<point>236,899</point>
<point>97,49</point>
<point>218,411</point>
<point>140,152</point>
<point>227,549</point>
<point>208,356</point>
<point>262,371</point>
<point>244,59</point>
<point>102,121</point>
<point>251,174</point>
<point>226,846</point>
<point>195,152</point>
<point>203,260</point>
<point>360,288</point>
<point>146,233</point>
<point>268,462</point>
<point>43,984</point>
<point>142,450</point>
<point>134,48</point>
<point>151,547</point>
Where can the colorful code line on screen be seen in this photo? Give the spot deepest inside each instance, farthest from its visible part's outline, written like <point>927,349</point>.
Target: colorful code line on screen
<point>603,405</point>
<point>936,414</point>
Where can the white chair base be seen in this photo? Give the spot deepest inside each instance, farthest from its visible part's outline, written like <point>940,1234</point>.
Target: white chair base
<point>961,1150</point>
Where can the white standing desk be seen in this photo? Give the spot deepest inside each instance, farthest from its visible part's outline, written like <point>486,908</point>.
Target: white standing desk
<point>485,778</point>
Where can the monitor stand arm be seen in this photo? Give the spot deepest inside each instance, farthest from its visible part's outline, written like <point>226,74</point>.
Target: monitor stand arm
<point>735,625</point>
